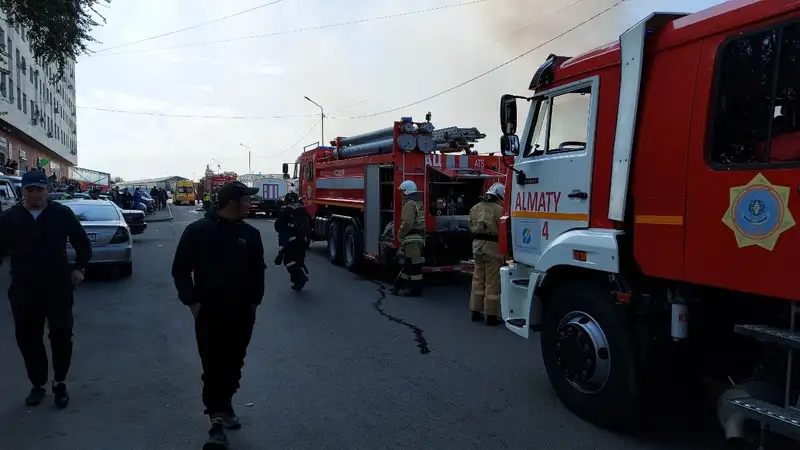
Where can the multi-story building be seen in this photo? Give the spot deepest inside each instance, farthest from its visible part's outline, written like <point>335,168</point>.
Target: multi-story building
<point>37,116</point>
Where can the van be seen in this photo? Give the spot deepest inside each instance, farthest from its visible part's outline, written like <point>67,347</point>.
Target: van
<point>184,193</point>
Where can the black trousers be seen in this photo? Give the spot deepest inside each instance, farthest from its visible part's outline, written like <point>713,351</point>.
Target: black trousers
<point>223,333</point>
<point>31,305</point>
<point>294,258</point>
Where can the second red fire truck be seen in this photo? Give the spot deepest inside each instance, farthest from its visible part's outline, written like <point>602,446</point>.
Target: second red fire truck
<point>351,191</point>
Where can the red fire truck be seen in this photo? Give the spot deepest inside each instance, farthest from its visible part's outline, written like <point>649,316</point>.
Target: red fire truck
<point>652,217</point>
<point>351,191</point>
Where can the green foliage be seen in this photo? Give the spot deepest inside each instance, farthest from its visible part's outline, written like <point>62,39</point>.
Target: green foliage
<point>57,30</point>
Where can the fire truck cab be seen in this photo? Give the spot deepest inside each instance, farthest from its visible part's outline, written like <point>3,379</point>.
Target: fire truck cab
<point>652,208</point>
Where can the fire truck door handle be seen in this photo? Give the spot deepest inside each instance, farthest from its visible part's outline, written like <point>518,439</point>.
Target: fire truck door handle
<point>579,195</point>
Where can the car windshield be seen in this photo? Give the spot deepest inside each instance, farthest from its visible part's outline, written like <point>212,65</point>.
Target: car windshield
<point>94,213</point>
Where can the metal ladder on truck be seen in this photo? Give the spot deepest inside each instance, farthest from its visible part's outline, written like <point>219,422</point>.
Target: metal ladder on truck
<point>784,420</point>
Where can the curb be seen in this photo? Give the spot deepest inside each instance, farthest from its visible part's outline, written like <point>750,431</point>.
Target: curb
<point>169,208</point>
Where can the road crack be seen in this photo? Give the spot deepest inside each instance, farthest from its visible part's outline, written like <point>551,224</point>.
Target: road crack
<point>419,335</point>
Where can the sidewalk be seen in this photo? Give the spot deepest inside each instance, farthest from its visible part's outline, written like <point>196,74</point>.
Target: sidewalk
<point>160,216</point>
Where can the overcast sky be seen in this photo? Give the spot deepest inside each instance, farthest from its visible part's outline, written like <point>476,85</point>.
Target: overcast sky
<point>376,65</point>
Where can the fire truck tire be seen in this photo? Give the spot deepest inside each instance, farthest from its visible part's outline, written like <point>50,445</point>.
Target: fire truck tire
<point>352,248</point>
<point>588,354</point>
<point>335,243</point>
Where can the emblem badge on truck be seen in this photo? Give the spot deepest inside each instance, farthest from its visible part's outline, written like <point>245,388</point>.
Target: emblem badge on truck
<point>758,213</point>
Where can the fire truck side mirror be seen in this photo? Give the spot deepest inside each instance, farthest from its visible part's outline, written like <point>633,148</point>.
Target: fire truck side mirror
<point>509,145</point>
<point>508,114</point>
<point>285,168</point>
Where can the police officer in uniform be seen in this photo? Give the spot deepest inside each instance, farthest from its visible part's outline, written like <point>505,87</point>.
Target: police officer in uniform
<point>219,274</point>
<point>412,242</point>
<point>483,223</point>
<point>293,226</point>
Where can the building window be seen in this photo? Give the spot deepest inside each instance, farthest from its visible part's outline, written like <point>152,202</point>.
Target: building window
<point>32,109</point>
<point>24,103</point>
<point>10,90</point>
<point>756,112</point>
<point>19,98</point>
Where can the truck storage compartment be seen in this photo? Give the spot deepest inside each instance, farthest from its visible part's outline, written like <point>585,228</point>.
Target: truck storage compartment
<point>451,195</point>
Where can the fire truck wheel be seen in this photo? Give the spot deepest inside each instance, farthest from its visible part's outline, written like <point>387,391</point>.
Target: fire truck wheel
<point>335,243</point>
<point>353,251</point>
<point>588,354</point>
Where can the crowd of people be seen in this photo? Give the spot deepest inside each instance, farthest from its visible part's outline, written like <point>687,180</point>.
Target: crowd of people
<point>126,199</point>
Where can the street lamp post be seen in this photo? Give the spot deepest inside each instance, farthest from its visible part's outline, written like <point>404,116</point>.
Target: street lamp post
<point>249,158</point>
<point>322,119</point>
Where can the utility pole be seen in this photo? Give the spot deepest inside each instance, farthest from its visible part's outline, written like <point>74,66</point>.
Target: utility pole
<point>249,158</point>
<point>322,120</point>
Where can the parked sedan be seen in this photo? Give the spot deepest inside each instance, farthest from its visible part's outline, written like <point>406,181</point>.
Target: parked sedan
<point>109,234</point>
<point>135,220</point>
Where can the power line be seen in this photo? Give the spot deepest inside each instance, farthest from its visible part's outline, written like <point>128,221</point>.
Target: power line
<point>479,76</point>
<point>193,116</point>
<point>219,19</point>
<point>519,30</point>
<point>302,30</point>
<point>291,147</point>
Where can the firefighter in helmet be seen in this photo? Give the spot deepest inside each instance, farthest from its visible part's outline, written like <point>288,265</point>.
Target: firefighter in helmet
<point>483,223</point>
<point>412,241</point>
<point>293,226</point>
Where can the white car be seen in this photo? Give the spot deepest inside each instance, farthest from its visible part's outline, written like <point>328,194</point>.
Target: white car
<point>108,232</point>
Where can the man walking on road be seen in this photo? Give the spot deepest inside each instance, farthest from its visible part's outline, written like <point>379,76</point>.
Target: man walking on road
<point>219,274</point>
<point>35,233</point>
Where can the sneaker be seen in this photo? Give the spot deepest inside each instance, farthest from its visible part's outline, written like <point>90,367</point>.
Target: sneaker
<point>231,422</point>
<point>217,440</point>
<point>477,316</point>
<point>61,395</point>
<point>36,396</point>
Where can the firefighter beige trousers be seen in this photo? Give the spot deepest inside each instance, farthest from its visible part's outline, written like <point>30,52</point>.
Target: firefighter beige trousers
<point>485,296</point>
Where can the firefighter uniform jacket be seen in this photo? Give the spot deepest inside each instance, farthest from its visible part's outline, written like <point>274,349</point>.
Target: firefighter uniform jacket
<point>413,223</point>
<point>483,220</point>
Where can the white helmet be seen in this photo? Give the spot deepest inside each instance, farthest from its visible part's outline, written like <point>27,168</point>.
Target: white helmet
<point>408,187</point>
<point>498,189</point>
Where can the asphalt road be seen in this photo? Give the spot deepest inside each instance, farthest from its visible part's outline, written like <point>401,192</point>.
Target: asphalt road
<point>337,366</point>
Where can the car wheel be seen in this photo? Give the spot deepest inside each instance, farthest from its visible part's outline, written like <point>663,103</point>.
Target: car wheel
<point>126,269</point>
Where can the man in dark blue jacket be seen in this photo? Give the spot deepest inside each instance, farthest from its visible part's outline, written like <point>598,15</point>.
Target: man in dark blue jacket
<point>219,274</point>
<point>35,233</point>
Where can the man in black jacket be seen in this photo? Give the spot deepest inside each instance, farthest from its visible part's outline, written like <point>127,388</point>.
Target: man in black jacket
<point>226,257</point>
<point>293,226</point>
<point>35,233</point>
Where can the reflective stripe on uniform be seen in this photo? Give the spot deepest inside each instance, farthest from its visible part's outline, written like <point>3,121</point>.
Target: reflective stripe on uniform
<point>416,277</point>
<point>403,276</point>
<point>290,263</point>
<point>413,238</point>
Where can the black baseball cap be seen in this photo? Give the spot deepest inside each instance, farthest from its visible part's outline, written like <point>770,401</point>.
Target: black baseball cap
<point>34,178</point>
<point>233,191</point>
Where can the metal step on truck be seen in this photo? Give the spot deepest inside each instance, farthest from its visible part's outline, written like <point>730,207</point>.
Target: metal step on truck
<point>652,205</point>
